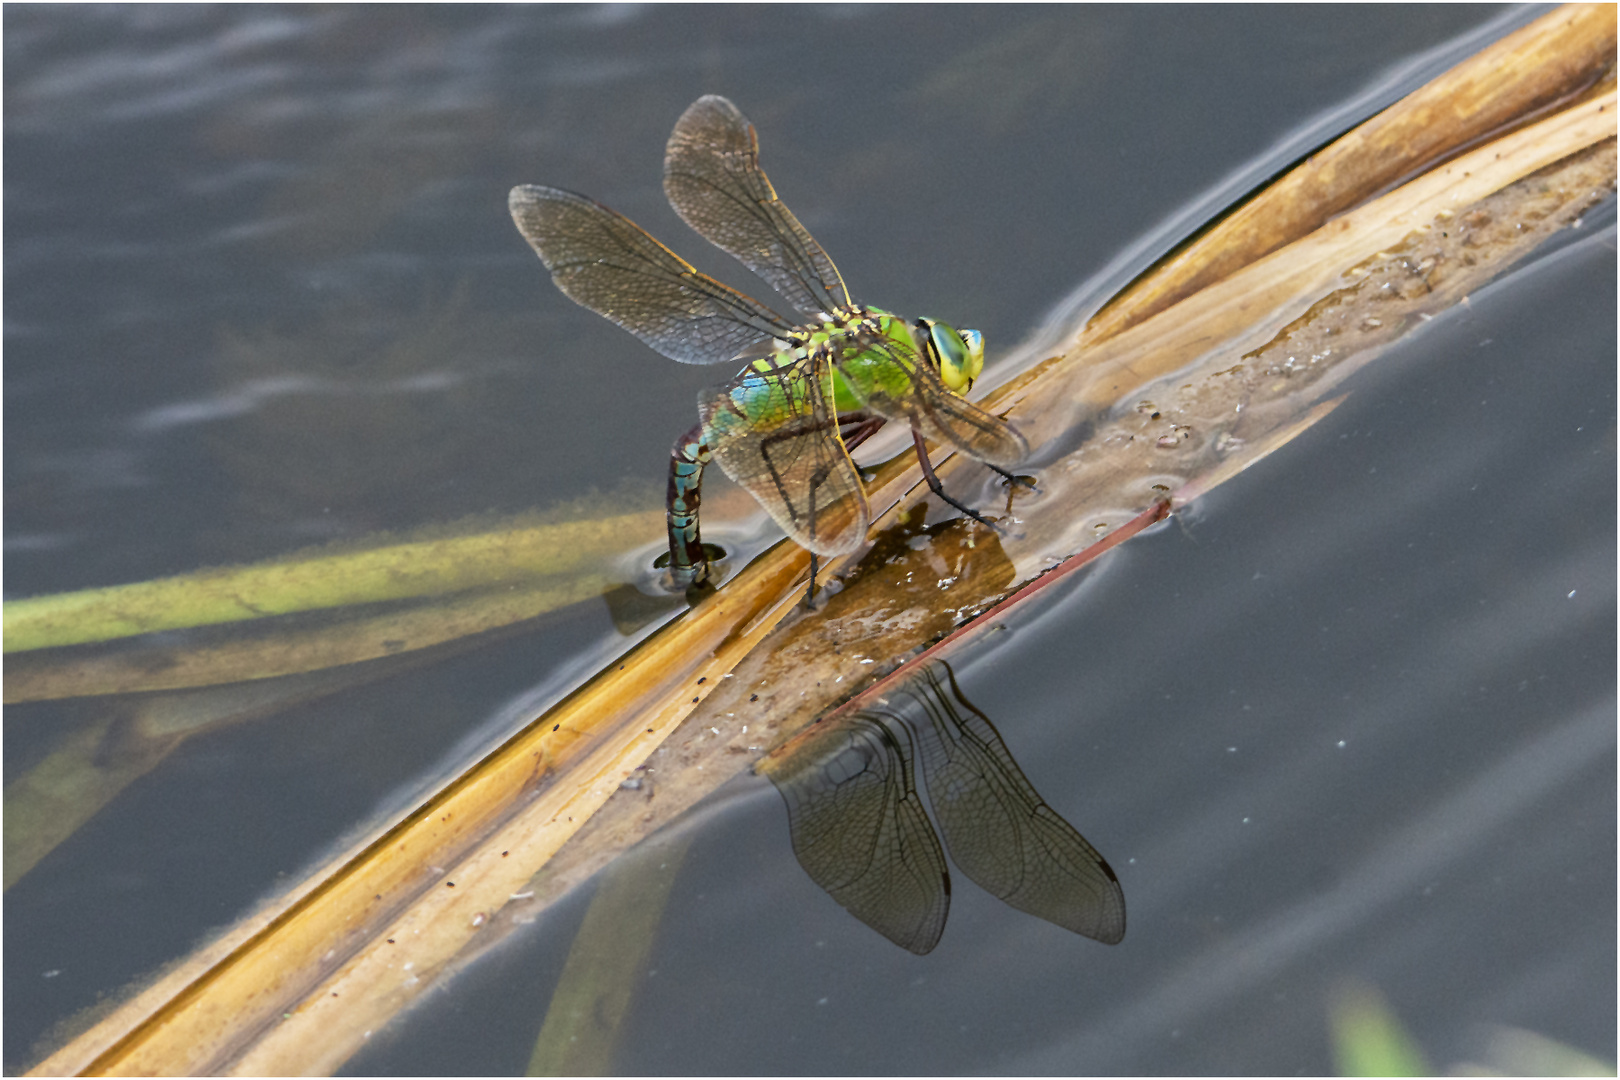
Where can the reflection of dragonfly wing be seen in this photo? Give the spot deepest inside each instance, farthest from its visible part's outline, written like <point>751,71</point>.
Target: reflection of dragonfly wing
<point>1001,833</point>
<point>860,833</point>
<point>775,432</point>
<point>713,180</point>
<point>929,406</point>
<point>606,262</point>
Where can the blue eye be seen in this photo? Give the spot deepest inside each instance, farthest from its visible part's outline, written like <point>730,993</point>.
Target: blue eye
<point>975,349</point>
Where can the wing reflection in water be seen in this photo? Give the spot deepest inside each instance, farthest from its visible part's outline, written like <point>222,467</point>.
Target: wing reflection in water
<point>859,829</point>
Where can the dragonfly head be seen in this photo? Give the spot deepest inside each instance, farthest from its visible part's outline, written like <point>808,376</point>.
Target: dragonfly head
<point>957,354</point>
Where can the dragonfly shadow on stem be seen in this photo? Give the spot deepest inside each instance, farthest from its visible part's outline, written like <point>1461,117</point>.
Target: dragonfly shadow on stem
<point>859,829</point>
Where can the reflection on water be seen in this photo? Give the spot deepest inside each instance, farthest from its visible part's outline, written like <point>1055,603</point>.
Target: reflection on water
<point>860,832</point>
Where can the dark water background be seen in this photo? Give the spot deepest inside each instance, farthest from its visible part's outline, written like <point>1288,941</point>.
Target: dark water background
<point>261,291</point>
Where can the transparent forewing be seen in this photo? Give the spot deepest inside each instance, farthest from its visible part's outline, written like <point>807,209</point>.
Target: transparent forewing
<point>602,260</point>
<point>999,830</point>
<point>713,180</point>
<point>774,432</point>
<point>859,830</point>
<point>914,394</point>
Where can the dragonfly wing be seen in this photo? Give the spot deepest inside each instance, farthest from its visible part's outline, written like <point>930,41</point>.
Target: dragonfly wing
<point>775,433</point>
<point>602,260</point>
<point>713,180</point>
<point>1000,831</point>
<point>916,395</point>
<point>859,830</point>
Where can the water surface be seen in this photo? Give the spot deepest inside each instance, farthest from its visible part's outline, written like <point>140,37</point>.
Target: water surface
<point>262,291</point>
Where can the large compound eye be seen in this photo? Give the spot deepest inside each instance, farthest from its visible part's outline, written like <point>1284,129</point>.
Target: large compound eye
<point>958,355</point>
<point>974,341</point>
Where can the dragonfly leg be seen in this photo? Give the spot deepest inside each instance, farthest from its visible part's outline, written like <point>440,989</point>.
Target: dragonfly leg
<point>810,593</point>
<point>1011,478</point>
<point>856,427</point>
<point>936,487</point>
<point>688,557</point>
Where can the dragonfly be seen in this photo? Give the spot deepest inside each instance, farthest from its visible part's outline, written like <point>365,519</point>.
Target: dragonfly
<point>810,389</point>
<point>859,829</point>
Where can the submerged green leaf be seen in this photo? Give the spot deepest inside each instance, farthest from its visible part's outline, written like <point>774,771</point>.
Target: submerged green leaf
<point>1369,1041</point>
<point>393,572</point>
<point>605,964</point>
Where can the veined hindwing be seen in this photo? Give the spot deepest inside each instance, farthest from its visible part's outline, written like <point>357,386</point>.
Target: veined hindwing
<point>775,432</point>
<point>859,830</point>
<point>602,260</point>
<point>713,180</point>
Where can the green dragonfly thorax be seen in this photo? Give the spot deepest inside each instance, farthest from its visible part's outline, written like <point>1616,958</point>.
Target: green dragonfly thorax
<point>851,354</point>
<point>871,350</point>
<point>775,428</point>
